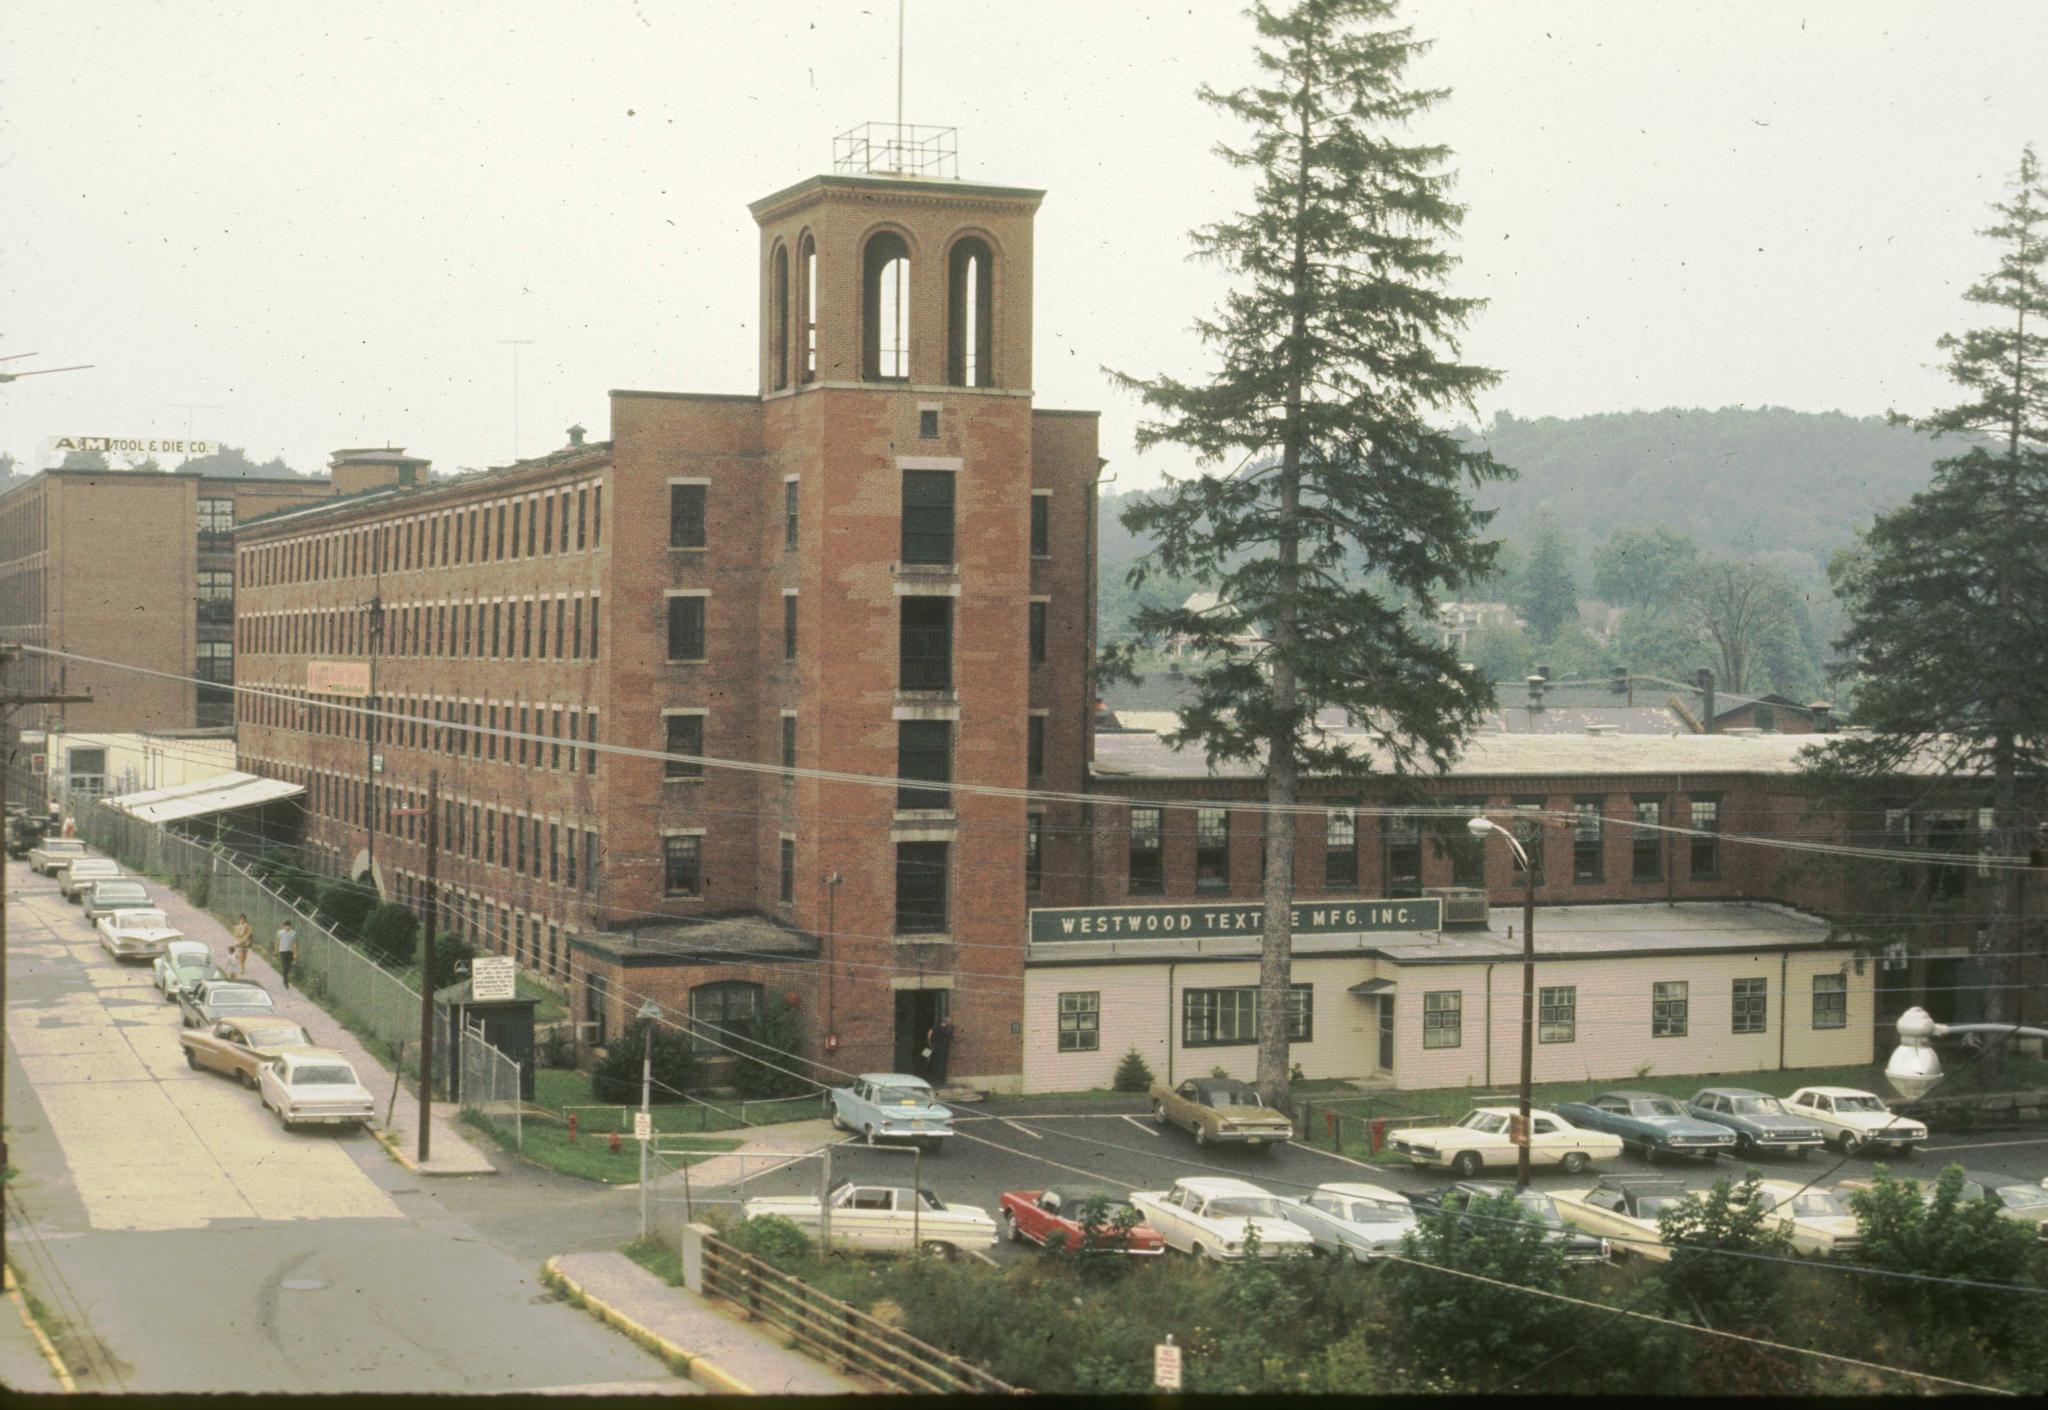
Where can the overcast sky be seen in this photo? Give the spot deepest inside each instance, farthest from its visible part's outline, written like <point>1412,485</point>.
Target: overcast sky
<point>321,221</point>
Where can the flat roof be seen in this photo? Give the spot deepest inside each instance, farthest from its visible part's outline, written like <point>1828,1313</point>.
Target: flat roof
<point>714,940</point>
<point>218,794</point>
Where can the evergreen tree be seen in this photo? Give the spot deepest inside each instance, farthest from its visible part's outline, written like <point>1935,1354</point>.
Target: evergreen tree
<point>1944,601</point>
<point>1549,590</point>
<point>1336,344</point>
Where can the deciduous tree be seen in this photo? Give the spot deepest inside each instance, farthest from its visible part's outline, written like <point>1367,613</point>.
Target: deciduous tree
<point>1329,499</point>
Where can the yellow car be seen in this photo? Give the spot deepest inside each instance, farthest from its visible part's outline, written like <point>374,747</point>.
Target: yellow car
<point>1221,1109</point>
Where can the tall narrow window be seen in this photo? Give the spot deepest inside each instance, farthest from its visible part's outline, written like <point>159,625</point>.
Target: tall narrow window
<point>686,628</point>
<point>928,517</point>
<point>970,286</point>
<point>1751,1003</point>
<point>926,646</point>
<point>682,866</point>
<point>1039,611</point>
<point>1404,855</point>
<point>686,516</point>
<point>1034,746</point>
<point>1034,864</point>
<point>807,311</point>
<point>789,626</point>
<point>778,313</point>
<point>788,748</point>
<point>1340,848</point>
<point>1706,849</point>
<point>924,753</point>
<point>1588,840</point>
<point>1147,869</point>
<point>1646,840</point>
<point>789,514</point>
<point>1830,1001</point>
<point>787,891</point>
<point>1212,849</point>
<point>1041,526</point>
<point>1529,833</point>
<point>921,888</point>
<point>1669,1005</point>
<point>885,309</point>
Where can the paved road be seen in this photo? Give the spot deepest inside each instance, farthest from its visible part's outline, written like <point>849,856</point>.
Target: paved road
<point>1027,1143</point>
<point>211,1251</point>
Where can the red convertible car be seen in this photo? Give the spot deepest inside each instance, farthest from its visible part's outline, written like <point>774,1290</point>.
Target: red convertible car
<point>1053,1218</point>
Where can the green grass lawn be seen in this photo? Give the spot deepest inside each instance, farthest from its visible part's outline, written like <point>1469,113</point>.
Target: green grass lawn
<point>590,1156</point>
<point>558,1089</point>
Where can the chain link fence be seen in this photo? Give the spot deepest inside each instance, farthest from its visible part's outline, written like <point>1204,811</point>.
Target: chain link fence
<point>377,1006</point>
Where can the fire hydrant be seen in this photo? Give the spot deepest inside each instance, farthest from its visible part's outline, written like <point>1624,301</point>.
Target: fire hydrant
<point>1379,1134</point>
<point>572,1126</point>
<point>615,1143</point>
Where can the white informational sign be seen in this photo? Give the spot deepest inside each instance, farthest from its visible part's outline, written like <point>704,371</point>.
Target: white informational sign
<point>493,977</point>
<point>1166,1366</point>
<point>643,1126</point>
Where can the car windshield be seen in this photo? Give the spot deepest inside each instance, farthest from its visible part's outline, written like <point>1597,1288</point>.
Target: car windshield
<point>1246,1207</point>
<point>277,1037</point>
<point>1759,1106</point>
<point>1662,1107</point>
<point>191,962</point>
<point>240,999</point>
<point>1539,1206</point>
<point>1650,1206</point>
<point>902,1096</point>
<point>1858,1103</point>
<point>1233,1097</point>
<point>142,920</point>
<point>1485,1121</point>
<point>1818,1204</point>
<point>322,1077</point>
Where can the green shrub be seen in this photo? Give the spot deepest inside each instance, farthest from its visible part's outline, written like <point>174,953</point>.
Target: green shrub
<point>772,1239</point>
<point>775,1036</point>
<point>1715,1288</point>
<point>616,1077</point>
<point>452,956</point>
<point>391,934</point>
<point>344,906</point>
<point>1132,1074</point>
<point>557,1048</point>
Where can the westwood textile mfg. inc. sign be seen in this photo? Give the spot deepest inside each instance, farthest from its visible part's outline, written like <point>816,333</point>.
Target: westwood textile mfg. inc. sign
<point>1208,921</point>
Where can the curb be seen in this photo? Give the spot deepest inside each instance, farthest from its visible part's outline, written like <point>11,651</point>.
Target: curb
<point>43,1342</point>
<point>397,1153</point>
<point>691,1364</point>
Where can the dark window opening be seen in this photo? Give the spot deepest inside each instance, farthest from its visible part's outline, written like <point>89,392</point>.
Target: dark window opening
<point>1038,616</point>
<point>1034,746</point>
<point>1212,849</point>
<point>921,888</point>
<point>928,517</point>
<point>1147,869</point>
<point>1041,526</point>
<point>970,292</point>
<point>1706,851</point>
<point>685,629</point>
<point>1340,848</point>
<point>927,424</point>
<point>926,648</point>
<point>885,309</point>
<point>1646,846</point>
<point>1588,840</point>
<point>924,752</point>
<point>685,735</point>
<point>686,516</point>
<point>778,313</point>
<point>682,860</point>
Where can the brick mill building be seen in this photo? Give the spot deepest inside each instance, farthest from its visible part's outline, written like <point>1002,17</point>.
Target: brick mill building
<point>878,562</point>
<point>134,566</point>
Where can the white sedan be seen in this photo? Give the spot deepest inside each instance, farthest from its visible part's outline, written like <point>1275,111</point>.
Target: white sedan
<point>314,1087</point>
<point>1352,1222</point>
<point>1818,1220</point>
<point>1855,1119</point>
<point>885,1219</point>
<point>1482,1139</point>
<point>1216,1218</point>
<point>143,933</point>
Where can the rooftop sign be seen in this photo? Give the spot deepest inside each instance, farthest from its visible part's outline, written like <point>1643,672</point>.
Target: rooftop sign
<point>1209,919</point>
<point>133,445</point>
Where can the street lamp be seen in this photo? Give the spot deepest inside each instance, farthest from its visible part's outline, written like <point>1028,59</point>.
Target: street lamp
<point>1481,828</point>
<point>1913,1068</point>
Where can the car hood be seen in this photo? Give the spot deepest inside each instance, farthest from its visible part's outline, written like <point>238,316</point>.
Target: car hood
<point>1877,1120</point>
<point>1270,1231</point>
<point>1683,1125</point>
<point>1443,1135</point>
<point>1771,1122</point>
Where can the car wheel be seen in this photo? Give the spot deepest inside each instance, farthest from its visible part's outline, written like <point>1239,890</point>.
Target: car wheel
<point>1010,1229</point>
<point>1851,1143</point>
<point>245,1079</point>
<point>1466,1165</point>
<point>191,1059</point>
<point>1159,1112</point>
<point>938,1248</point>
<point>1744,1145</point>
<point>1574,1162</point>
<point>1650,1153</point>
<point>869,1132</point>
<point>1201,1135</point>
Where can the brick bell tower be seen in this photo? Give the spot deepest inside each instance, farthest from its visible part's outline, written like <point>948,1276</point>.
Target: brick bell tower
<point>917,504</point>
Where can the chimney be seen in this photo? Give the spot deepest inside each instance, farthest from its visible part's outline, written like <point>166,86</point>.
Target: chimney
<point>1823,713</point>
<point>576,434</point>
<point>1705,678</point>
<point>1536,684</point>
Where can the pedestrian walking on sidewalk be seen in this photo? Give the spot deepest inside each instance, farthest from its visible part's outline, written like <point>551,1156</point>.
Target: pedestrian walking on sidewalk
<point>287,947</point>
<point>245,936</point>
<point>71,827</point>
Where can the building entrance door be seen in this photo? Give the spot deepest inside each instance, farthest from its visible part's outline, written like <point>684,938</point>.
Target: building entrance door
<point>1386,1032</point>
<point>918,1011</point>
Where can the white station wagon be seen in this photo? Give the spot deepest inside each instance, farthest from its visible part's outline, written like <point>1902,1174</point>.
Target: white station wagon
<point>1854,1119</point>
<point>1215,1218</point>
<point>885,1219</point>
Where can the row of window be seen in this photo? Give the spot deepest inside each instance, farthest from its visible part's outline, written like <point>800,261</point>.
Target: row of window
<point>564,628</point>
<point>682,867</point>
<point>885,311</point>
<point>1402,840</point>
<point>1209,1018</point>
<point>924,641</point>
<point>537,525</point>
<point>534,941</point>
<point>1443,1010</point>
<point>456,728</point>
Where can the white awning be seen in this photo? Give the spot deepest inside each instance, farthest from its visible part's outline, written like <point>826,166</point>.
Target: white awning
<point>218,794</point>
<point>1371,987</point>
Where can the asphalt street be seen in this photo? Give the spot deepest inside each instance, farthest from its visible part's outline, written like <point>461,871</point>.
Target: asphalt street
<point>209,1250</point>
<point>1023,1143</point>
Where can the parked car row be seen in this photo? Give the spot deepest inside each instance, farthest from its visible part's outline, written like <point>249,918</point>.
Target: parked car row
<point>230,1026</point>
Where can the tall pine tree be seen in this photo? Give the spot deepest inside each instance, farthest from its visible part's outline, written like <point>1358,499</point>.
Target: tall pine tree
<point>1550,593</point>
<point>1336,344</point>
<point>1945,602</point>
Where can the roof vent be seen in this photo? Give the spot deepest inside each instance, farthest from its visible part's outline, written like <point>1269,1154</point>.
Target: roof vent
<point>576,434</point>
<point>1600,730</point>
<point>1464,906</point>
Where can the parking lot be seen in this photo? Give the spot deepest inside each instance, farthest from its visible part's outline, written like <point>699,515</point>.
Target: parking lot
<point>1023,1143</point>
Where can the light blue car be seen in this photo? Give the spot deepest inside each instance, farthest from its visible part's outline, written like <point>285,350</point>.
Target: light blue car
<point>892,1106</point>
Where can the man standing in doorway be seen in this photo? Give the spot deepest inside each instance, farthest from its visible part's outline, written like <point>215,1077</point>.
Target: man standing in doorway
<point>287,947</point>
<point>939,1043</point>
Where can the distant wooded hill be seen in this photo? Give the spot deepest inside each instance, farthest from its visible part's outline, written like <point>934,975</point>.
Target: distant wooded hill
<point>1743,482</point>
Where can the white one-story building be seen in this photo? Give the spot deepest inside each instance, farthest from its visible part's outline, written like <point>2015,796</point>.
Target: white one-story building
<point>1386,993</point>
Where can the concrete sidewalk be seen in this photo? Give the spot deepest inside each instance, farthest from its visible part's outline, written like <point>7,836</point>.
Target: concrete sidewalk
<point>763,1149</point>
<point>450,1152</point>
<point>25,1353</point>
<point>722,1353</point>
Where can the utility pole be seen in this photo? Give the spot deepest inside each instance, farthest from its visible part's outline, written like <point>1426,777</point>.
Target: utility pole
<point>8,703</point>
<point>650,1014</point>
<point>376,640</point>
<point>515,344</point>
<point>427,963</point>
